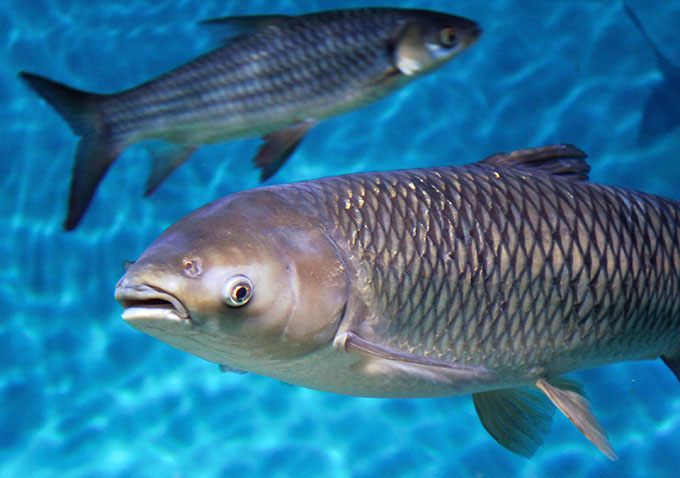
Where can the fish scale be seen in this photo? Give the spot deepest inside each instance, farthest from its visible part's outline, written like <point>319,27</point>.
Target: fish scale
<point>534,273</point>
<point>290,54</point>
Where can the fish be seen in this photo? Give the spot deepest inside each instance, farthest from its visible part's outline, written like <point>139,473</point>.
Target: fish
<point>661,114</point>
<point>493,278</point>
<point>277,78</point>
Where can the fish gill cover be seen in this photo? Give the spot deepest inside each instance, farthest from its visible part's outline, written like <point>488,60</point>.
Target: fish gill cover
<point>85,395</point>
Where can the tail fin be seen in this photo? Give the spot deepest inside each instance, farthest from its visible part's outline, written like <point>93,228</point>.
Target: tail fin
<point>96,150</point>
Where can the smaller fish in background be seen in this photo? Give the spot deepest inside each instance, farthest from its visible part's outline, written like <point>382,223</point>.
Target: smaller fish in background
<point>277,80</point>
<point>662,111</point>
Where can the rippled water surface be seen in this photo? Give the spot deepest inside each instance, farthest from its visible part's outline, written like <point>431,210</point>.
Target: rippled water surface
<point>83,394</point>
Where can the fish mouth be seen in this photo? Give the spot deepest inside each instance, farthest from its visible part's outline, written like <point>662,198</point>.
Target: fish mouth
<point>145,302</point>
<point>474,34</point>
<point>471,35</point>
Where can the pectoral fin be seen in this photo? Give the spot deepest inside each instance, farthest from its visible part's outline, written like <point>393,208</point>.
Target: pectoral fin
<point>518,419</point>
<point>165,162</point>
<point>568,396</point>
<point>226,368</point>
<point>279,146</point>
<point>387,361</point>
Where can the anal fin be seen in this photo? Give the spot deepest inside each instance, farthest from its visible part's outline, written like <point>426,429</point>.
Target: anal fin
<point>518,419</point>
<point>279,146</point>
<point>569,398</point>
<point>388,361</point>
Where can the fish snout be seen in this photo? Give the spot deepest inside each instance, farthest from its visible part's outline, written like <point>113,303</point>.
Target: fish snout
<point>473,34</point>
<point>145,302</point>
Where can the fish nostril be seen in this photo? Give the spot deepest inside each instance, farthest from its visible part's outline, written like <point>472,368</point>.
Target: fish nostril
<point>126,265</point>
<point>124,283</point>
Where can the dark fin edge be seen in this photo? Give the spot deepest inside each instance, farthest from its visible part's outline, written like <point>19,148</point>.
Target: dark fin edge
<point>564,160</point>
<point>517,419</point>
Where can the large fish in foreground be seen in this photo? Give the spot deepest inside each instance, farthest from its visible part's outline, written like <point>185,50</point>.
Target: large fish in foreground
<point>279,79</point>
<point>493,278</point>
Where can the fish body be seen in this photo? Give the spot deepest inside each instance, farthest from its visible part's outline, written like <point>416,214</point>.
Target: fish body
<point>485,279</point>
<point>279,79</point>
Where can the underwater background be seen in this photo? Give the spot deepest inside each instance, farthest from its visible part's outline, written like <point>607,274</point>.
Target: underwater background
<point>83,394</point>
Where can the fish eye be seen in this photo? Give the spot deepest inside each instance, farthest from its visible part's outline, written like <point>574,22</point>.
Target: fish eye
<point>192,267</point>
<point>447,37</point>
<point>237,291</point>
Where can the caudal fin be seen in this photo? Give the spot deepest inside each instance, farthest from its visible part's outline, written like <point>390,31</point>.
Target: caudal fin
<point>96,150</point>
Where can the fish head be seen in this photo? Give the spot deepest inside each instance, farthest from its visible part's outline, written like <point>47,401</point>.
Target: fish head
<point>428,39</point>
<point>244,281</point>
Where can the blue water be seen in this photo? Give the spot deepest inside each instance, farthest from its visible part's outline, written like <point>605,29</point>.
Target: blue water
<point>83,394</point>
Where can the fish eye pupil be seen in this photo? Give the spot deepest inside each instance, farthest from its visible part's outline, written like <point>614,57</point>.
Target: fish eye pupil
<point>241,292</point>
<point>237,291</point>
<point>447,37</point>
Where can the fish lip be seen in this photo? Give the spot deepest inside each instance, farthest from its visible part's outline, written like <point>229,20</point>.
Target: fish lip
<point>143,301</point>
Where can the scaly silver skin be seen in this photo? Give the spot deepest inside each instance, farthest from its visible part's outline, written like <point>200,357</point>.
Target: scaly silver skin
<point>310,66</point>
<point>277,80</point>
<point>524,273</point>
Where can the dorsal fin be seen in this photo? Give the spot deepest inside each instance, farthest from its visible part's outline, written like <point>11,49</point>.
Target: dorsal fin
<point>564,160</point>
